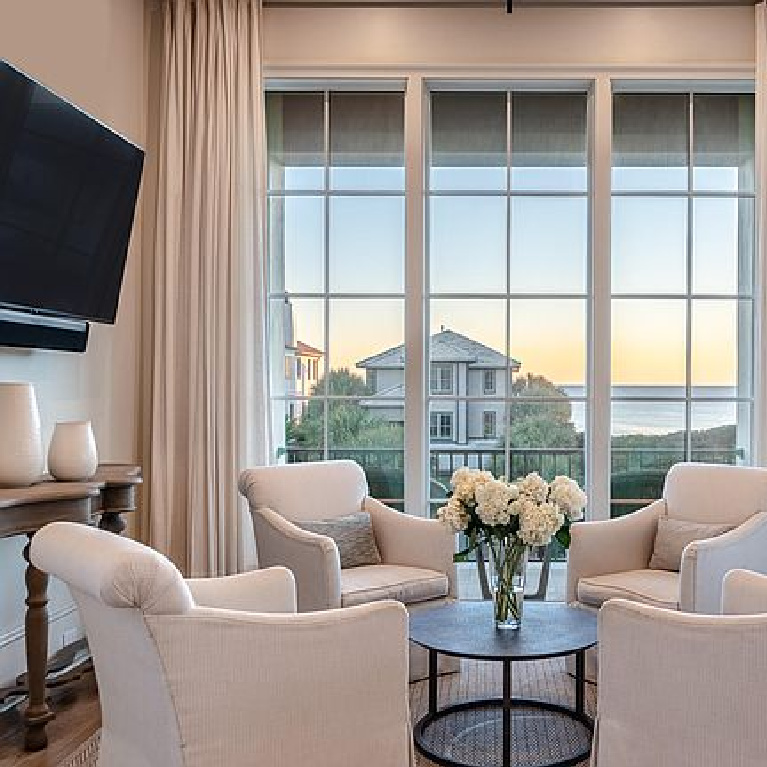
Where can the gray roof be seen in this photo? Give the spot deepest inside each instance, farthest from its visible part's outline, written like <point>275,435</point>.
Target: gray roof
<point>445,346</point>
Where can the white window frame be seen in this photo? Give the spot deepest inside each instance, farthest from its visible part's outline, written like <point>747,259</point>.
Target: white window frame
<point>436,425</point>
<point>492,388</point>
<point>438,378</point>
<point>492,432</point>
<point>599,82</point>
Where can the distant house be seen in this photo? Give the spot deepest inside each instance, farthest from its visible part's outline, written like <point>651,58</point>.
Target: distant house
<point>302,366</point>
<point>460,368</point>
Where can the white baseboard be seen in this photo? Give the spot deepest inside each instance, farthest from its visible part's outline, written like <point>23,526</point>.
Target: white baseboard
<point>12,650</point>
<point>18,633</point>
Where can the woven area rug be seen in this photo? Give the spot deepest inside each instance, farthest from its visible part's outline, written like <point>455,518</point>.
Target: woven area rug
<point>544,680</point>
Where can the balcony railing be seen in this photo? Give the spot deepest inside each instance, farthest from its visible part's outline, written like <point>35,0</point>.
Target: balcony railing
<point>637,473</point>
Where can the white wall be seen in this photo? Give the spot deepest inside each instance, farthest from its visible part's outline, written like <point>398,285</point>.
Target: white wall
<point>411,38</point>
<point>91,52</point>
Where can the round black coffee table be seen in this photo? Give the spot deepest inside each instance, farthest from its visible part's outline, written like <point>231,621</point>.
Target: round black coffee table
<point>540,734</point>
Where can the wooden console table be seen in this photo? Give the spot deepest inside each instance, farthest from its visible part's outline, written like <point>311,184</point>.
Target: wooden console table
<point>23,511</point>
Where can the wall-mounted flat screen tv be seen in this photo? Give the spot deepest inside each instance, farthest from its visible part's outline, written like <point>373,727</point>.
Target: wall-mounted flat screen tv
<point>68,188</point>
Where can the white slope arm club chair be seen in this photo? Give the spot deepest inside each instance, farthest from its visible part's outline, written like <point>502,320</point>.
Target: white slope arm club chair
<point>680,689</point>
<point>417,566</point>
<point>611,558</point>
<point>242,681</point>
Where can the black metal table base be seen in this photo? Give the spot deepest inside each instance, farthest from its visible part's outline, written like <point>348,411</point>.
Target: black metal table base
<point>506,731</point>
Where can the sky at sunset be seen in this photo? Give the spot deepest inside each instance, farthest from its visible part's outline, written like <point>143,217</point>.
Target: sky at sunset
<point>549,240</point>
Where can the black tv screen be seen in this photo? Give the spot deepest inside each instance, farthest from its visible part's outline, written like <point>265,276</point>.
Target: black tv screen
<point>68,188</point>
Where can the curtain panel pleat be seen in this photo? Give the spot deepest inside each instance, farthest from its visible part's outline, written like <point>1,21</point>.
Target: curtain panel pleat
<point>205,391</point>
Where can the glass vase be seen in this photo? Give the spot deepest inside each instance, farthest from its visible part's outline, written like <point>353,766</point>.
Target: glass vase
<point>508,564</point>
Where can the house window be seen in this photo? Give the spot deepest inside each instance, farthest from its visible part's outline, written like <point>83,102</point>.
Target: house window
<point>488,424</point>
<point>441,379</point>
<point>682,286</point>
<point>488,382</point>
<point>441,426</point>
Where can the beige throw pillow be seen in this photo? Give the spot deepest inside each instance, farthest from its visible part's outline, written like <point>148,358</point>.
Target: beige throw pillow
<point>673,535</point>
<point>353,534</point>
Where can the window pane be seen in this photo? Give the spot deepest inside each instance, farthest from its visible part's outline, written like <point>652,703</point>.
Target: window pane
<point>647,439</point>
<point>296,244</point>
<point>649,245</point>
<point>648,346</point>
<point>723,245</point>
<point>298,430</point>
<point>470,335</point>
<point>294,135</point>
<point>650,141</point>
<point>549,242</point>
<point>366,341</point>
<point>367,244</point>
<point>721,432</point>
<point>546,436</point>
<point>296,345</point>
<point>548,142</point>
<point>468,141</point>
<point>467,245</point>
<point>367,141</point>
<point>723,142</point>
<point>548,341</point>
<point>721,348</point>
<point>370,431</point>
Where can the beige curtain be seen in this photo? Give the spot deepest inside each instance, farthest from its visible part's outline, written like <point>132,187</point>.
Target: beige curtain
<point>203,335</point>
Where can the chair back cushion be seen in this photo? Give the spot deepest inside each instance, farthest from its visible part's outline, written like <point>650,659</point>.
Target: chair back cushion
<point>113,570</point>
<point>353,535</point>
<point>306,491</point>
<point>715,493</point>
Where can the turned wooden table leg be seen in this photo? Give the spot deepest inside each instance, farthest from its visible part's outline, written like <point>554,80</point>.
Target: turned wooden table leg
<point>37,713</point>
<point>112,521</point>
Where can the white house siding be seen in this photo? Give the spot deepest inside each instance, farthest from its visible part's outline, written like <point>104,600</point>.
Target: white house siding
<point>475,384</point>
<point>475,420</point>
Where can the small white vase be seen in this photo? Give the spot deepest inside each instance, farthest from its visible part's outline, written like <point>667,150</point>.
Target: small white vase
<point>21,444</point>
<point>72,455</point>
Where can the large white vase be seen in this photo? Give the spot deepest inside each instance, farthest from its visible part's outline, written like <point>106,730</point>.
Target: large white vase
<point>72,455</point>
<point>21,444</point>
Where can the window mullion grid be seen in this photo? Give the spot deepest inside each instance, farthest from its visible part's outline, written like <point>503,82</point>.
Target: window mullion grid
<point>326,283</point>
<point>508,371</point>
<point>417,373</point>
<point>689,306</point>
<point>599,379</point>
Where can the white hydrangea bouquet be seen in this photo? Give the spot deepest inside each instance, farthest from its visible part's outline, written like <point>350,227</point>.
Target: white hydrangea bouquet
<point>509,517</point>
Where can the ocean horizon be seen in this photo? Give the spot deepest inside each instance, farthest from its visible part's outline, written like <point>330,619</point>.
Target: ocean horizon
<point>635,412</point>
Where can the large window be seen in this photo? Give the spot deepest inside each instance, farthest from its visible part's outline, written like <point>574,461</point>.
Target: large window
<point>336,219</point>
<point>506,287</point>
<point>508,200</point>
<point>682,286</point>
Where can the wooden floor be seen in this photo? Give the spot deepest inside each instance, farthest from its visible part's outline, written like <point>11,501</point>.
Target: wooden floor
<point>78,715</point>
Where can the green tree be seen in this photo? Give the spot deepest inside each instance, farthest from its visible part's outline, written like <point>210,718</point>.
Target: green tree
<point>350,425</point>
<point>537,423</point>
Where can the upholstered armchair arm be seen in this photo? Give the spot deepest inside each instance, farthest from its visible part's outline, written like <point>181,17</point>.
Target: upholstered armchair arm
<point>663,677</point>
<point>312,558</point>
<point>611,546</point>
<point>705,563</point>
<point>263,591</point>
<point>744,593</point>
<point>404,539</point>
<point>271,689</point>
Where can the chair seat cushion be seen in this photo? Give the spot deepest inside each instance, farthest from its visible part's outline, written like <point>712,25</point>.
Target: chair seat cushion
<point>370,583</point>
<point>659,588</point>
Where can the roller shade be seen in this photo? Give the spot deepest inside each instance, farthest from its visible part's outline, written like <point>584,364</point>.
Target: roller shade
<point>469,129</point>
